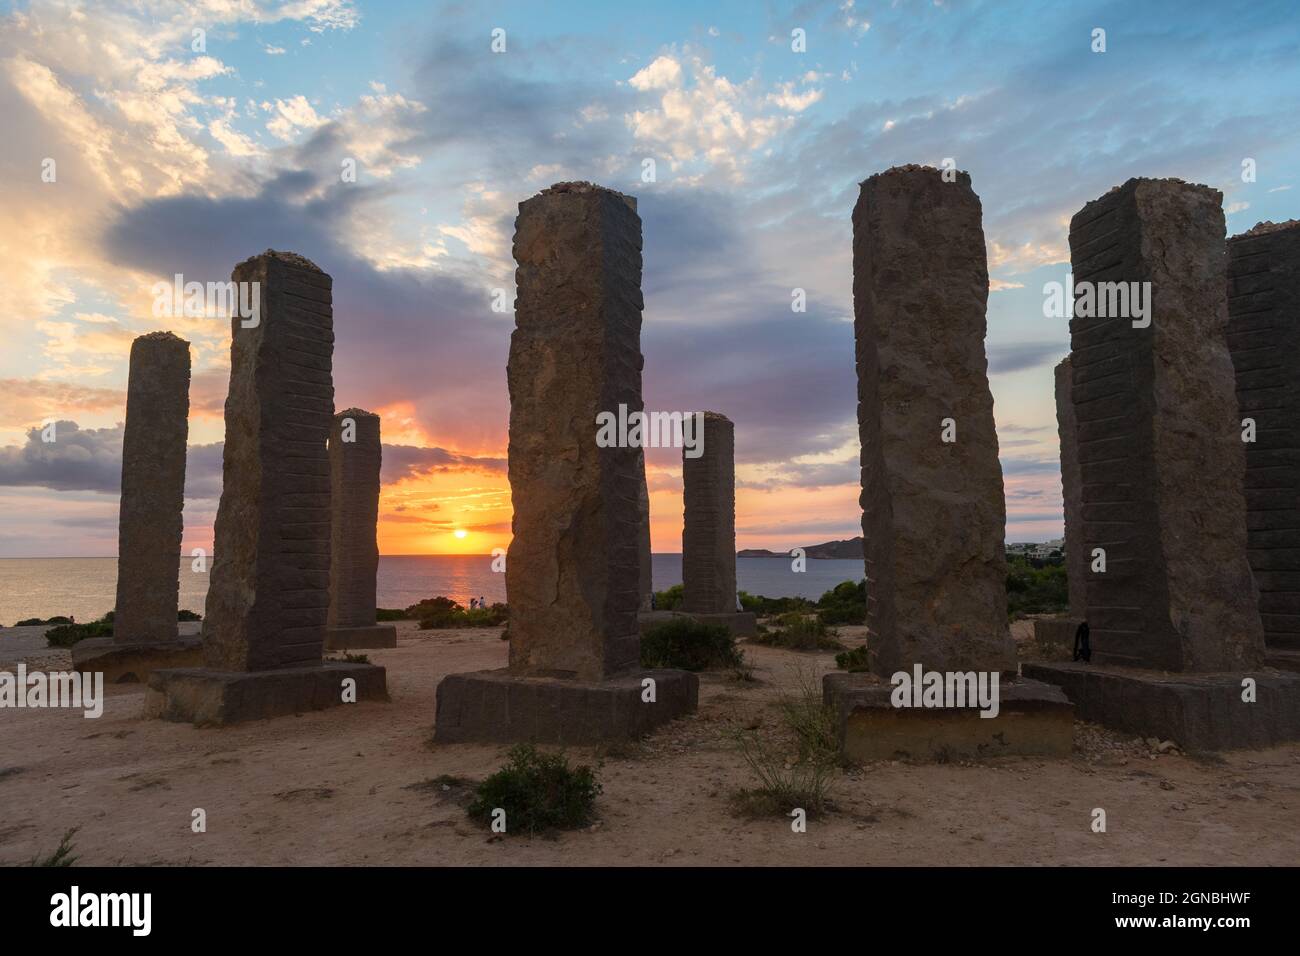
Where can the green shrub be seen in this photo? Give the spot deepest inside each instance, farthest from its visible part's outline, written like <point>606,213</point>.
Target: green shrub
<point>48,622</point>
<point>854,659</point>
<point>391,614</point>
<point>68,634</point>
<point>800,632</point>
<point>538,792</point>
<point>671,599</point>
<point>689,645</point>
<point>766,607</point>
<point>187,615</point>
<point>1032,590</point>
<point>846,603</point>
<point>444,617</point>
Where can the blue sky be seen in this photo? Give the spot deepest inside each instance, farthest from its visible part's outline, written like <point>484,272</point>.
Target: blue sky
<point>176,160</point>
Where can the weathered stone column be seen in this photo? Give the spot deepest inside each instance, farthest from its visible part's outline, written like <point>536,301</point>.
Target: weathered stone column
<point>1264,339</point>
<point>1159,437</point>
<point>1076,556</point>
<point>355,455</point>
<point>933,511</point>
<point>268,599</point>
<point>153,489</point>
<point>573,571</point>
<point>709,522</point>
<point>645,559</point>
<point>149,518</point>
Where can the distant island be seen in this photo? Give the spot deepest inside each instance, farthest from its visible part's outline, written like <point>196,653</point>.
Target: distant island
<point>851,548</point>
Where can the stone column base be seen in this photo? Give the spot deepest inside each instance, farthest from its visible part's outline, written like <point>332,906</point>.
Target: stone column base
<point>1054,637</point>
<point>130,662</point>
<point>209,698</point>
<point>499,707</point>
<point>1033,719</point>
<point>360,638</point>
<point>1196,711</point>
<point>1284,659</point>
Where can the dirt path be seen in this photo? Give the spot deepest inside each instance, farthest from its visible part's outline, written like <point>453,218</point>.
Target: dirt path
<point>354,785</point>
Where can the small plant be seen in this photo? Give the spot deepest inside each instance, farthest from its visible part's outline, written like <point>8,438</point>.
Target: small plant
<point>62,856</point>
<point>390,614</point>
<point>846,603</point>
<point>689,645</point>
<point>353,659</point>
<point>800,632</point>
<point>538,792</point>
<point>187,615</point>
<point>670,599</point>
<point>855,659</point>
<point>767,607</point>
<point>783,785</point>
<point>66,635</point>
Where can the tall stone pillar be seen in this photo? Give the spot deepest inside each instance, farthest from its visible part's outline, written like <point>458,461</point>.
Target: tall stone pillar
<point>573,570</point>
<point>933,511</point>
<point>149,518</point>
<point>709,522</point>
<point>355,456</point>
<point>1162,465</point>
<point>1264,338</point>
<point>268,598</point>
<point>1159,438</point>
<point>1076,556</point>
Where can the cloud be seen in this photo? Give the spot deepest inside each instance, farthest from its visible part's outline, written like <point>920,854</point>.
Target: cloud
<point>407,461</point>
<point>1014,358</point>
<point>77,459</point>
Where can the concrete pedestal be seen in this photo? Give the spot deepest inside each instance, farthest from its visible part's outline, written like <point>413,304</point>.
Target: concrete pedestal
<point>498,707</point>
<point>210,698</point>
<point>131,662</point>
<point>1196,711</point>
<point>1033,719</point>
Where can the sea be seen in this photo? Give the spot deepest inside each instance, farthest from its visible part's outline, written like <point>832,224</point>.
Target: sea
<point>85,588</point>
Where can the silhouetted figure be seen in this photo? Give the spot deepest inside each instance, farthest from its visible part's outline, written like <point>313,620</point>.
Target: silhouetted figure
<point>1082,649</point>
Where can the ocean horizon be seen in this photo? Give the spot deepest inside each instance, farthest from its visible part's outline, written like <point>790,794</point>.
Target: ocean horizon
<point>86,588</point>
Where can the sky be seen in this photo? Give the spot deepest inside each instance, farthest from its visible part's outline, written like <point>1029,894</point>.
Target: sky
<point>184,137</point>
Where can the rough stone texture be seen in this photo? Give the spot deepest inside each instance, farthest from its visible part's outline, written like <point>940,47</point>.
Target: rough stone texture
<point>489,706</point>
<point>933,512</point>
<point>1264,339</point>
<point>709,522</point>
<point>573,571</point>
<point>1159,438</point>
<point>646,588</point>
<point>132,663</point>
<point>153,489</point>
<point>1076,555</point>
<point>1056,637</point>
<point>210,698</point>
<point>269,594</point>
<point>1196,711</point>
<point>354,553</point>
<point>1034,719</point>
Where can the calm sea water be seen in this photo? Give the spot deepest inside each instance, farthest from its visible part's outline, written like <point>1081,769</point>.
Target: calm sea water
<point>85,588</point>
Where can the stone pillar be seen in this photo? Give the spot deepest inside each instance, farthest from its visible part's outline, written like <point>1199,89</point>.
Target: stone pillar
<point>1159,437</point>
<point>153,489</point>
<point>646,587</point>
<point>355,456</point>
<point>709,523</point>
<point>269,594</point>
<point>573,571</point>
<point>145,630</point>
<point>1076,556</point>
<point>1264,339</point>
<point>933,511</point>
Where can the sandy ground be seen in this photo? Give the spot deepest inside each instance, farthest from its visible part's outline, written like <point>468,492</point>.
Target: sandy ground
<point>354,785</point>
